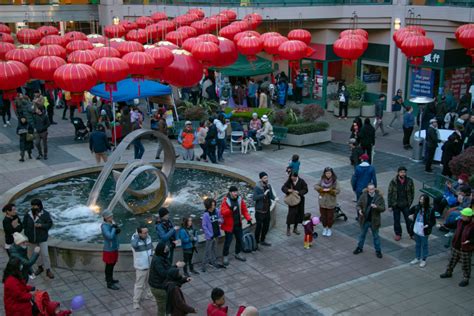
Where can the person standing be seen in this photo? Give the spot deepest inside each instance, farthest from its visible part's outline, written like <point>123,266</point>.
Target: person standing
<point>26,132</point>
<point>92,114</point>
<point>263,197</point>
<point>136,118</point>
<point>369,207</point>
<point>99,144</point>
<point>37,224</point>
<point>110,253</point>
<point>364,174</point>
<point>221,125</point>
<point>252,93</point>
<point>295,212</point>
<point>189,238</point>
<point>408,125</point>
<point>187,137</point>
<point>166,231</point>
<point>5,110</point>
<point>379,105</point>
<point>11,224</point>
<point>263,99</point>
<point>462,247</point>
<point>432,141</point>
<point>343,102</point>
<point>211,221</point>
<point>397,104</point>
<point>367,138</point>
<point>163,129</point>
<point>41,124</point>
<point>19,250</point>
<point>211,140</point>
<point>233,207</point>
<point>299,85</point>
<point>201,138</point>
<point>441,110</point>
<point>424,218</point>
<point>142,250</point>
<point>356,152</point>
<point>17,295</point>
<point>175,303</point>
<point>328,189</point>
<point>451,148</point>
<point>401,192</point>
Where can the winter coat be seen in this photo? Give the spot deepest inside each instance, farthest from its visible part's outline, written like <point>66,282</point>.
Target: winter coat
<point>367,135</point>
<point>467,234</point>
<point>408,120</point>
<point>296,213</point>
<point>213,310</point>
<point>328,199</point>
<point>40,122</point>
<point>159,268</point>
<point>166,236</point>
<point>126,123</point>
<point>432,139</point>
<point>267,132</point>
<point>142,251</point>
<point>22,254</point>
<point>356,152</point>
<point>17,297</point>
<point>92,115</point>
<point>392,191</point>
<point>98,142</point>
<point>362,205</point>
<point>9,230</point>
<point>363,175</point>
<point>308,227</point>
<point>211,135</point>
<point>207,224</point>
<point>187,240</point>
<point>37,234</point>
<point>379,105</point>
<point>221,129</point>
<point>258,195</point>
<point>451,148</point>
<point>109,232</point>
<point>263,100</point>
<point>25,108</point>
<point>187,138</point>
<point>344,93</point>
<point>255,125</point>
<point>176,304</point>
<point>201,135</point>
<point>428,218</point>
<point>22,130</point>
<point>227,215</point>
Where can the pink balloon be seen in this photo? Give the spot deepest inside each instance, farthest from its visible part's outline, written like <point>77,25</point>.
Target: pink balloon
<point>315,220</point>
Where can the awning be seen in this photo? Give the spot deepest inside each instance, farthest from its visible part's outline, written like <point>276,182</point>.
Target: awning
<point>243,68</point>
<point>127,90</point>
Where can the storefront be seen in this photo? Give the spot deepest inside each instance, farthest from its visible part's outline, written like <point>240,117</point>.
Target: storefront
<point>373,70</point>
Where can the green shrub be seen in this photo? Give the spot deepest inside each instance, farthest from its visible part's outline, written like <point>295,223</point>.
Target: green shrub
<point>279,117</point>
<point>246,114</point>
<point>312,112</point>
<point>356,90</point>
<point>307,128</point>
<point>195,113</point>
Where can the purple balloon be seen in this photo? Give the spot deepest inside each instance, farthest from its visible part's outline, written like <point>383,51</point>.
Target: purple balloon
<point>77,302</point>
<point>315,220</point>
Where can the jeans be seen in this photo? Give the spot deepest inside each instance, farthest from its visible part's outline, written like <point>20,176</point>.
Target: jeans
<point>138,148</point>
<point>379,124</point>
<point>430,152</point>
<point>238,240</point>
<point>298,94</point>
<point>72,109</point>
<point>421,247</point>
<point>42,138</point>
<point>6,112</point>
<point>396,117</point>
<point>397,228</point>
<point>160,297</point>
<point>141,285</point>
<point>44,254</point>
<point>407,131</point>
<point>209,252</point>
<point>220,148</point>
<point>188,260</point>
<point>211,152</point>
<point>375,235</point>
<point>204,149</point>
<point>263,224</point>
<point>342,109</point>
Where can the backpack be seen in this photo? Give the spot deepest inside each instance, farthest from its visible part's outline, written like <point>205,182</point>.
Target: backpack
<point>249,243</point>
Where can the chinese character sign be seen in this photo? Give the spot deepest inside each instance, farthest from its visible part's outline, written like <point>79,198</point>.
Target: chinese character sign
<point>422,82</point>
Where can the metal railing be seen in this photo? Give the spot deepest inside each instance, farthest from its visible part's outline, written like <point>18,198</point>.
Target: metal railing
<point>258,3</point>
<point>49,2</point>
<point>456,3</point>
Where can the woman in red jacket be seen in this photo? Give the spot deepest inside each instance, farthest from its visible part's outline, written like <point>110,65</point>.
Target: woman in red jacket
<point>16,293</point>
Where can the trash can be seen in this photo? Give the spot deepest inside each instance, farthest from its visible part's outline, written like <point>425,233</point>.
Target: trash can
<point>417,148</point>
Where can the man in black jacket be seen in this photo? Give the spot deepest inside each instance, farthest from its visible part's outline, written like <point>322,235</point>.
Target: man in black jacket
<point>41,124</point>
<point>367,138</point>
<point>356,152</point>
<point>99,144</point>
<point>432,140</point>
<point>37,223</point>
<point>263,197</point>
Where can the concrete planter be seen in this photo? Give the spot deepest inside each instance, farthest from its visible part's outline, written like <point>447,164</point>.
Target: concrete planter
<point>331,105</point>
<point>368,110</point>
<point>351,112</point>
<point>307,139</point>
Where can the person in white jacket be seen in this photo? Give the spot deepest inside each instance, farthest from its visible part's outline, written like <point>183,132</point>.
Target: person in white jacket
<point>221,125</point>
<point>142,249</point>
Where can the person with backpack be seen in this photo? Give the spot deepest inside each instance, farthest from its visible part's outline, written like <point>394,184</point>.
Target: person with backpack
<point>188,236</point>
<point>166,231</point>
<point>187,138</point>
<point>211,221</point>
<point>263,197</point>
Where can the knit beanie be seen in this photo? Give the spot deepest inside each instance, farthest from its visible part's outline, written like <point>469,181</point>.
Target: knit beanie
<point>163,212</point>
<point>18,238</point>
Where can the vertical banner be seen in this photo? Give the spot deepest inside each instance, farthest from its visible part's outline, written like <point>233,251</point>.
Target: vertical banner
<point>422,82</point>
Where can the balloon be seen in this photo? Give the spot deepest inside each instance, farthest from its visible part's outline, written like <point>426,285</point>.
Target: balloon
<point>77,302</point>
<point>315,220</point>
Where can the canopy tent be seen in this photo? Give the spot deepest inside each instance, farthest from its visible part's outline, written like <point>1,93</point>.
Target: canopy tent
<point>243,68</point>
<point>127,90</point>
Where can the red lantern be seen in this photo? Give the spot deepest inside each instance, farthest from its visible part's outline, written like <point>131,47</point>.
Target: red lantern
<point>141,65</point>
<point>212,22</point>
<point>229,31</point>
<point>300,35</point>
<point>266,35</point>
<point>163,57</point>
<point>128,25</point>
<point>415,47</point>
<point>293,51</point>
<point>242,25</point>
<point>48,30</point>
<point>111,70</point>
<point>198,12</point>
<point>360,32</point>
<point>400,35</point>
<point>188,30</point>
<point>466,39</point>
<point>153,32</point>
<point>143,21</point>
<point>230,14</point>
<point>75,36</point>
<point>139,36</point>
<point>239,35</point>
<point>206,52</point>
<point>362,39</point>
<point>6,38</point>
<point>52,50</point>
<point>190,42</point>
<point>75,78</point>
<point>348,48</point>
<point>221,20</point>
<point>23,55</point>
<point>13,75</point>
<point>459,30</point>
<point>159,16</point>
<point>28,36</point>
<point>184,71</point>
<point>53,40</point>
<point>82,57</point>
<point>96,39</point>
<point>129,47</point>
<point>253,19</point>
<point>416,28</point>
<point>4,29</point>
<point>165,27</point>
<point>167,45</point>
<point>228,53</point>
<point>201,27</point>
<point>43,68</point>
<point>176,37</point>
<point>78,45</point>
<point>250,46</point>
<point>271,45</point>
<point>209,38</point>
<point>184,20</point>
<point>106,52</point>
<point>115,42</point>
<point>4,48</point>
<point>112,31</point>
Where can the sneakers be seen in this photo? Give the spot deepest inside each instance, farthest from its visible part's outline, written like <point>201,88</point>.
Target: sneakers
<point>446,275</point>
<point>379,254</point>
<point>112,286</point>
<point>464,282</point>
<point>296,232</point>
<point>288,232</point>
<point>328,232</point>
<point>397,237</point>
<point>225,261</point>
<point>49,274</point>
<point>325,231</point>
<point>21,160</point>
<point>266,244</point>
<point>240,258</point>
<point>415,261</point>
<point>423,263</point>
<point>136,306</point>
<point>357,251</point>
<point>39,270</point>
<point>450,234</point>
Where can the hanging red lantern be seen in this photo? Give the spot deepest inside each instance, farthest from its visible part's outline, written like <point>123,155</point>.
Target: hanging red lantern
<point>201,27</point>
<point>212,22</point>
<point>227,53</point>
<point>159,16</point>
<point>300,35</point>
<point>183,20</point>
<point>128,25</point>
<point>415,47</point>
<point>52,50</point>
<point>266,35</point>
<point>78,45</point>
<point>165,27</point>
<point>209,38</point>
<point>141,65</point>
<point>460,29</point>
<point>229,31</point>
<point>184,71</point>
<point>190,42</point>
<point>112,31</point>
<point>399,37</point>
<point>206,52</point>
<point>239,35</point>
<point>4,48</point>
<point>96,39</point>
<point>230,14</point>
<point>48,30</point>
<point>75,78</point>
<point>6,38</point>
<point>129,47</point>
<point>362,39</point>
<point>106,52</point>
<point>53,40</point>
<point>242,25</point>
<point>143,21</point>
<point>153,32</point>
<point>23,55</point>
<point>293,51</point>
<point>198,12</point>
<point>416,28</point>
<point>13,75</point>
<point>4,29</point>
<point>75,36</point>
<point>115,42</point>
<point>360,32</point>
<point>111,70</point>
<point>271,45</point>
<point>253,19</point>
<point>43,68</point>
<point>28,36</point>
<point>139,36</point>
<point>348,48</point>
<point>82,57</point>
<point>221,20</point>
<point>188,30</point>
<point>250,46</point>
<point>163,57</point>
<point>466,39</point>
<point>167,45</point>
<point>176,37</point>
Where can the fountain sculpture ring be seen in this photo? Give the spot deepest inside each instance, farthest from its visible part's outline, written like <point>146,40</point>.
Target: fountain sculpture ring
<point>155,193</point>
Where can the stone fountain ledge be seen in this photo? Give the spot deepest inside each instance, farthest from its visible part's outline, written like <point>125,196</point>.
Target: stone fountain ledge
<point>88,256</point>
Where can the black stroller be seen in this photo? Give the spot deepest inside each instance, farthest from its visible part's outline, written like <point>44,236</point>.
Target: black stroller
<point>81,131</point>
<point>339,213</point>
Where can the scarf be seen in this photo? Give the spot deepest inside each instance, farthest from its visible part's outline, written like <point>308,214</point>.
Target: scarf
<point>327,183</point>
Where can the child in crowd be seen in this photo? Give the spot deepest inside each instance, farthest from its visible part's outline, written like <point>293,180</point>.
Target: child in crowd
<point>211,221</point>
<point>308,231</point>
<point>294,164</point>
<point>187,138</point>
<point>188,236</point>
<point>217,308</point>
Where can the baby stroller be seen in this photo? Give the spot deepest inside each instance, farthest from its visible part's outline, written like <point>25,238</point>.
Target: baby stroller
<point>339,213</point>
<point>81,131</point>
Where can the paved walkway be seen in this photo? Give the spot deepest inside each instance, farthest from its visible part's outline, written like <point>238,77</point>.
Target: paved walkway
<point>284,279</point>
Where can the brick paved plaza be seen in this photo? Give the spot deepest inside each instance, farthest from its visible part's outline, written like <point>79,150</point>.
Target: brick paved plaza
<point>284,279</point>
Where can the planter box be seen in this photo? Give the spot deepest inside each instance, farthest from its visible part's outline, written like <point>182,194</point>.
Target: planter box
<point>368,110</point>
<point>351,112</point>
<point>307,139</point>
<point>331,105</point>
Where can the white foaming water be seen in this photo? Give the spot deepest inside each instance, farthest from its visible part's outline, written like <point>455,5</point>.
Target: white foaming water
<point>187,193</point>
<point>78,211</point>
<point>78,232</point>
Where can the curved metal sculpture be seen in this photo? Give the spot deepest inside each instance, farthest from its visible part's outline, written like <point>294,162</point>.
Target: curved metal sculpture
<point>157,191</point>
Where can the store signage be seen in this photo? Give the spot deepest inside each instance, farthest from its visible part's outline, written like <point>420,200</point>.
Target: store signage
<point>422,82</point>
<point>371,77</point>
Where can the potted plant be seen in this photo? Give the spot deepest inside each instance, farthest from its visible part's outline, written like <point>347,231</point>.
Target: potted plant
<point>356,96</point>
<point>368,109</point>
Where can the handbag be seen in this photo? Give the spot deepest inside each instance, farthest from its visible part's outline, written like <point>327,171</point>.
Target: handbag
<point>30,137</point>
<point>292,199</point>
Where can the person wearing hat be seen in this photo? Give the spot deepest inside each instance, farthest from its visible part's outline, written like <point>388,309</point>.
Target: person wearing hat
<point>432,140</point>
<point>263,197</point>
<point>233,208</point>
<point>451,148</point>
<point>11,224</point>
<point>265,134</point>
<point>401,192</point>
<point>397,104</point>
<point>166,231</point>
<point>356,152</point>
<point>254,125</point>
<point>110,253</point>
<point>462,246</point>
<point>364,174</point>
<point>187,137</point>
<point>19,250</point>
